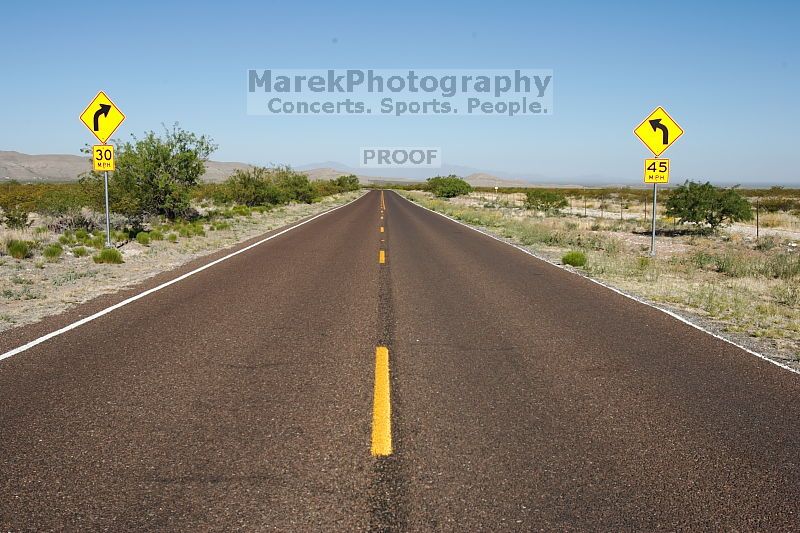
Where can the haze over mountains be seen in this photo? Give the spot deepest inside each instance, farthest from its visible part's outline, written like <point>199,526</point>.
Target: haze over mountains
<point>64,167</point>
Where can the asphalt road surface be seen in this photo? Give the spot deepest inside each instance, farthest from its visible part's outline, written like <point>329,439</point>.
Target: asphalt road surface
<point>458,385</point>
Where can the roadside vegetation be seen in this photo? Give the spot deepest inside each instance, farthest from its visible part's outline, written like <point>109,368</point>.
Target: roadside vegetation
<point>52,236</point>
<point>709,261</point>
<point>447,186</point>
<point>155,194</point>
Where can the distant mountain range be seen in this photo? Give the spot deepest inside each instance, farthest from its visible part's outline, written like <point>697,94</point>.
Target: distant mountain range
<point>60,168</point>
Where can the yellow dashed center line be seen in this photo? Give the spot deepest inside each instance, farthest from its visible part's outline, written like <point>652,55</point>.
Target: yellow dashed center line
<point>381,229</point>
<point>381,257</point>
<point>382,405</point>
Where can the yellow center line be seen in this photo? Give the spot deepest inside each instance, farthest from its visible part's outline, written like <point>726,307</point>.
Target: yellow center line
<point>382,405</point>
<point>381,257</point>
<point>381,229</point>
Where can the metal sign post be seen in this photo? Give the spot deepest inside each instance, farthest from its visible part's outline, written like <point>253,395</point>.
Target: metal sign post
<point>108,215</point>
<point>653,238</point>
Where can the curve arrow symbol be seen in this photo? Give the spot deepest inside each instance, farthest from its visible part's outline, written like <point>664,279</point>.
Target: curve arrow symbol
<point>655,123</point>
<point>105,108</point>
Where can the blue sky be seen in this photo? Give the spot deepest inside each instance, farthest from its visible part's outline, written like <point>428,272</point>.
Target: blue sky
<point>726,71</point>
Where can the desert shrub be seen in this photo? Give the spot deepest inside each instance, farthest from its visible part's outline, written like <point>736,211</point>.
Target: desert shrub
<point>574,258</point>
<point>156,235</point>
<point>79,251</point>
<point>109,256</point>
<point>551,202</point>
<point>774,205</point>
<point>251,187</point>
<point>143,238</point>
<point>787,294</point>
<point>172,237</point>
<point>704,203</point>
<point>155,175</point>
<point>447,186</point>
<point>14,216</point>
<point>347,183</point>
<point>59,201</point>
<point>784,266</point>
<point>18,249</point>
<point>766,243</point>
<point>241,211</point>
<point>294,185</point>
<point>97,242</point>
<point>53,252</point>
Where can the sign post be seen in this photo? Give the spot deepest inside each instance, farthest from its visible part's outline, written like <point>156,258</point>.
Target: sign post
<point>103,118</point>
<point>658,131</point>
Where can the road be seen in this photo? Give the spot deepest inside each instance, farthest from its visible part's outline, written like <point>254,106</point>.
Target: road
<point>449,383</point>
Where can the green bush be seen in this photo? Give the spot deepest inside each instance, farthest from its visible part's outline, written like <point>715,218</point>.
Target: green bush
<point>79,251</point>
<point>172,237</point>
<point>447,186</point>
<point>574,258</point>
<point>18,249</point>
<point>260,186</point>
<point>252,187</point>
<point>108,255</point>
<point>241,211</point>
<point>156,235</point>
<point>551,202</point>
<point>155,175</point>
<point>143,238</point>
<point>97,242</point>
<point>52,252</point>
<point>704,203</point>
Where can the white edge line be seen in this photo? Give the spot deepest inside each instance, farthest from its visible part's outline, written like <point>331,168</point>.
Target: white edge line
<point>164,285</point>
<point>611,288</point>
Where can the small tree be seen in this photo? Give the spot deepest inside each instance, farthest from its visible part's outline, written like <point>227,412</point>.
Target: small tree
<point>348,183</point>
<point>297,186</point>
<point>550,202</point>
<point>448,186</point>
<point>155,174</point>
<point>704,203</point>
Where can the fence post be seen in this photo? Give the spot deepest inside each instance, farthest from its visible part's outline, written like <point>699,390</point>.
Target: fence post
<point>758,208</point>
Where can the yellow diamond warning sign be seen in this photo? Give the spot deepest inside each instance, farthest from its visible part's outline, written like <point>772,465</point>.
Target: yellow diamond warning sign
<point>102,117</point>
<point>658,131</point>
